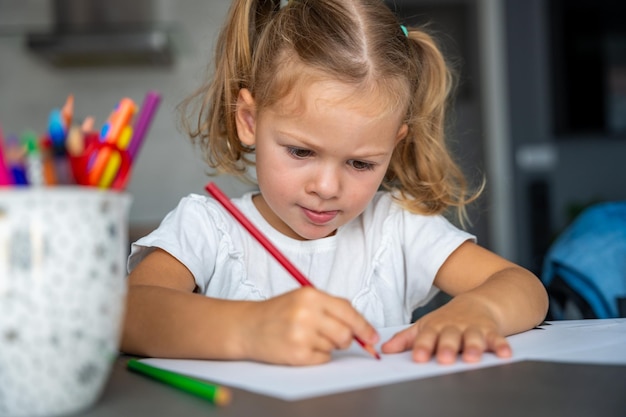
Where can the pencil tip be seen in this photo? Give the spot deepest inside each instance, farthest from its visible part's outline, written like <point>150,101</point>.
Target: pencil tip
<point>372,351</point>
<point>223,396</point>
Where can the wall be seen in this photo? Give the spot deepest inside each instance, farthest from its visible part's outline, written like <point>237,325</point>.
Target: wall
<point>168,166</point>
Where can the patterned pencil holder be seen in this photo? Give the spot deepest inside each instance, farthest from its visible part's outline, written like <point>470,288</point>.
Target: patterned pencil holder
<point>62,296</point>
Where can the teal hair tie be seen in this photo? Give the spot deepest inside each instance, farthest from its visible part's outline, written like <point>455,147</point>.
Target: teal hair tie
<point>404,30</point>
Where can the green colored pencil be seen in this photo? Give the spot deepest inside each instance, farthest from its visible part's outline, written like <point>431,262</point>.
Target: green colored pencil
<point>216,394</point>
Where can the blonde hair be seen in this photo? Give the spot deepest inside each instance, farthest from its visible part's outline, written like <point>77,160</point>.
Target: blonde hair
<point>359,42</point>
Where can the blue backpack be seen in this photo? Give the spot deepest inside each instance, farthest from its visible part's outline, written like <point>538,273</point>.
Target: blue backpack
<point>585,268</point>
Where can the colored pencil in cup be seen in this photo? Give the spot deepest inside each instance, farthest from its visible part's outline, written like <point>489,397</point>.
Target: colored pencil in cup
<point>5,175</point>
<point>111,131</point>
<point>33,159</point>
<point>112,169</point>
<point>214,190</point>
<point>14,155</point>
<point>216,394</point>
<point>144,119</point>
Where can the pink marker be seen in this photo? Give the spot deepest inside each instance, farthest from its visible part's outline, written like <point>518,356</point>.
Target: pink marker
<point>5,176</point>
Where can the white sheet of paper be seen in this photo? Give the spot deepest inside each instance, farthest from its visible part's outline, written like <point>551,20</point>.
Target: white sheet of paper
<point>593,341</point>
<point>582,341</point>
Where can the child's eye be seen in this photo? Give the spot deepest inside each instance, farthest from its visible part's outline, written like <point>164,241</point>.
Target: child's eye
<point>360,165</point>
<point>299,152</point>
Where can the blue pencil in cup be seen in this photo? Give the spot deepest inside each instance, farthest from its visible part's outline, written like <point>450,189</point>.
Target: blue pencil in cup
<point>14,158</point>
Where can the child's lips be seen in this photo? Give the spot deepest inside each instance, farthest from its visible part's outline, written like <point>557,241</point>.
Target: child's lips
<point>320,217</point>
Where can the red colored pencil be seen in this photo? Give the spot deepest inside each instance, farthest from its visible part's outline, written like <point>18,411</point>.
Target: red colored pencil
<point>214,190</point>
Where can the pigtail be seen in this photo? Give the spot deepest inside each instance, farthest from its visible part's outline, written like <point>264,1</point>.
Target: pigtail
<point>214,129</point>
<point>429,180</point>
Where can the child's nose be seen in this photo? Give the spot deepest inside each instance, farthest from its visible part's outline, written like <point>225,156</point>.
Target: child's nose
<point>325,182</point>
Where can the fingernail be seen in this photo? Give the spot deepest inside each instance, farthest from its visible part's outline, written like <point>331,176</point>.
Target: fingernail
<point>505,352</point>
<point>446,356</point>
<point>421,355</point>
<point>471,355</point>
<point>471,352</point>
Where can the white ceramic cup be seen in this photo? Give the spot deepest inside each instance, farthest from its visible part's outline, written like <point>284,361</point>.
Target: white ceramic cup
<point>62,294</point>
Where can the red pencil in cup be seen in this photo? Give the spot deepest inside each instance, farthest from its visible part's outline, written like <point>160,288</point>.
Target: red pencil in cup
<point>214,190</point>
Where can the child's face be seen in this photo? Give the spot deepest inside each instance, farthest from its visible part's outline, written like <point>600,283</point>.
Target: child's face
<point>321,154</point>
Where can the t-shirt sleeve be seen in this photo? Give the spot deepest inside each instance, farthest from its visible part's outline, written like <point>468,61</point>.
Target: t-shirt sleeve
<point>428,241</point>
<point>189,233</point>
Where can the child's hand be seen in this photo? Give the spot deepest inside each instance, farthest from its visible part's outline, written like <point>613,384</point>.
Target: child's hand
<point>302,327</point>
<point>452,329</point>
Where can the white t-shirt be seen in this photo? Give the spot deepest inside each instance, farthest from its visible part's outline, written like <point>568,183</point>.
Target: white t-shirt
<point>384,261</point>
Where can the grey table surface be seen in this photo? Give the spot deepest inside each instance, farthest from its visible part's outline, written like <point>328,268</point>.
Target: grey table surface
<point>528,388</point>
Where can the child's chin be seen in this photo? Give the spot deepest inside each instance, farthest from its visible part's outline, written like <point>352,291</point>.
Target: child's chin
<point>317,233</point>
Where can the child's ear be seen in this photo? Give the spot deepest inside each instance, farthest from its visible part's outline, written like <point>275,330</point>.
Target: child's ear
<point>402,132</point>
<point>245,117</point>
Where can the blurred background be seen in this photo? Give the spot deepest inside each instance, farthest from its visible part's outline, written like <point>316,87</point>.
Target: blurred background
<point>540,110</point>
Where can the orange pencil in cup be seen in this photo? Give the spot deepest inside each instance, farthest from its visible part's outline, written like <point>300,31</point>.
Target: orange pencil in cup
<point>67,112</point>
<point>119,119</point>
<point>269,246</point>
<point>49,170</point>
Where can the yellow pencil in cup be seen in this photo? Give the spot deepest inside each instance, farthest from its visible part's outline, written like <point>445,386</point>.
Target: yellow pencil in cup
<point>119,118</point>
<point>216,394</point>
<point>110,172</point>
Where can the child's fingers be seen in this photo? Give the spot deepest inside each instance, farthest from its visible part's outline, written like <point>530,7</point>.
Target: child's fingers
<point>449,344</point>
<point>303,327</point>
<point>336,333</point>
<point>476,342</point>
<point>474,345</point>
<point>346,323</point>
<point>425,344</point>
<point>471,343</point>
<point>307,357</point>
<point>499,345</point>
<point>401,341</point>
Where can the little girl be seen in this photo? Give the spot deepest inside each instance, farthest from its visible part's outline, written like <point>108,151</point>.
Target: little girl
<point>329,100</point>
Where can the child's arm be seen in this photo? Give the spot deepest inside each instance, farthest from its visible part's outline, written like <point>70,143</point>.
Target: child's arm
<point>493,298</point>
<point>164,318</point>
